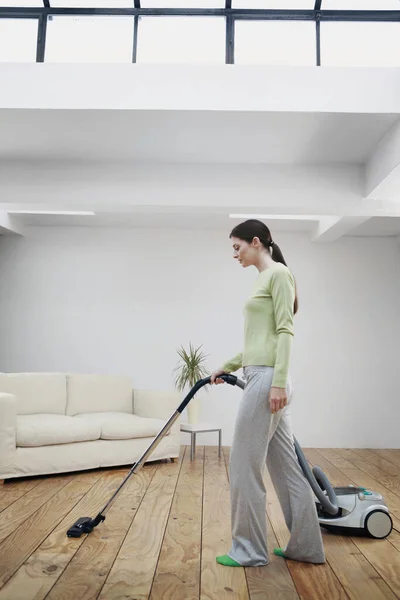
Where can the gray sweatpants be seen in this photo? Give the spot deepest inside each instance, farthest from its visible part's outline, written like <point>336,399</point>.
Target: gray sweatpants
<point>265,439</point>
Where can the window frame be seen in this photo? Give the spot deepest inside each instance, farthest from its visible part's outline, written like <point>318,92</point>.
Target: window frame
<point>317,14</point>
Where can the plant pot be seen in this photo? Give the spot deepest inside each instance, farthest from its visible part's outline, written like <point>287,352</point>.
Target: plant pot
<point>193,410</point>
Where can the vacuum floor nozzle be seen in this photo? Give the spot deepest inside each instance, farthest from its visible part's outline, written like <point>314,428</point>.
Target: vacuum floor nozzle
<point>82,525</point>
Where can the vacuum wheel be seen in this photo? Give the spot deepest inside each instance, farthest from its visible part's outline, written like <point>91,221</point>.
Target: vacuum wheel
<point>378,524</point>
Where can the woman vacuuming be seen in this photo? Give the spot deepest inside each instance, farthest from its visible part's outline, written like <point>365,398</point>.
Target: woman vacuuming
<point>263,432</point>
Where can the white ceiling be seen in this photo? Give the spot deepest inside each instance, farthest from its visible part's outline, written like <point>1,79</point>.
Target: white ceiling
<point>55,138</point>
<point>190,137</point>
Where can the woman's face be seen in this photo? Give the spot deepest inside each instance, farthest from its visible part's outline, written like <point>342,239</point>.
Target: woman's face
<point>244,252</point>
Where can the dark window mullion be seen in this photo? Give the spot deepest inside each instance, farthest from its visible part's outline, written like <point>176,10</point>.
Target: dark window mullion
<point>135,38</point>
<point>230,41</point>
<point>41,38</point>
<point>317,8</point>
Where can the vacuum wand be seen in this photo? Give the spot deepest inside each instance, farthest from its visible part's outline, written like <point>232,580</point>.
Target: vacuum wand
<point>87,524</point>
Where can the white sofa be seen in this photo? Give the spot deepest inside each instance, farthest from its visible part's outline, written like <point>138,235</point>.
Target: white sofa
<point>62,422</point>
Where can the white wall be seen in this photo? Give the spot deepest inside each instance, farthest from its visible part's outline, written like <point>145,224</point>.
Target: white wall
<point>122,301</point>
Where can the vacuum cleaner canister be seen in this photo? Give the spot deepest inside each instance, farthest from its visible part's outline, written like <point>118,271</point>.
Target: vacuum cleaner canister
<point>361,511</point>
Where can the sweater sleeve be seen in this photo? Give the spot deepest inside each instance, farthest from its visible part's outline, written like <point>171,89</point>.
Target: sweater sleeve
<point>233,364</point>
<point>283,295</point>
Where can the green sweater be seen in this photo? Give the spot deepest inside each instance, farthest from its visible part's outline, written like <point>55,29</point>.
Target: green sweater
<point>268,329</point>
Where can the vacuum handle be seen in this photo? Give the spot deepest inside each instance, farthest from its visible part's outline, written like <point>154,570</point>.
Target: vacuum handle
<point>227,377</point>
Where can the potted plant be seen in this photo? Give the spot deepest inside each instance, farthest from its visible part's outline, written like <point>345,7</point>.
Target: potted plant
<point>189,370</point>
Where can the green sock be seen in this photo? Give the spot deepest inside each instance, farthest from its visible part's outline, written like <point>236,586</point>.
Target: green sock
<point>227,561</point>
<point>279,552</point>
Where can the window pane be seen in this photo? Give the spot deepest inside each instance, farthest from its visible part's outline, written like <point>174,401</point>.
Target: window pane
<point>26,3</point>
<point>360,44</point>
<point>18,39</point>
<point>360,5</point>
<point>182,3</point>
<point>275,42</point>
<point>181,40</point>
<point>89,39</point>
<point>91,3</point>
<point>275,4</point>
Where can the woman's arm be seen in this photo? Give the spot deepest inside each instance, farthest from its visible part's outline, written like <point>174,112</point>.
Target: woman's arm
<point>233,364</point>
<point>283,295</point>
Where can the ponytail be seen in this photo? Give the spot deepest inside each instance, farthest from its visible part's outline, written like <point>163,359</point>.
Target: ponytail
<point>277,253</point>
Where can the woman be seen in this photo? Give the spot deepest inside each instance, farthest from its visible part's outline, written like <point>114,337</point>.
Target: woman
<point>263,433</point>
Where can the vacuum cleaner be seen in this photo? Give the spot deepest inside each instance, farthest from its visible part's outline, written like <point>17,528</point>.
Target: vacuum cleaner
<point>349,510</point>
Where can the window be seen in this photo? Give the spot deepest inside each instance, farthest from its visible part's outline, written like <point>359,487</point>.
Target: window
<point>25,3</point>
<point>275,4</point>
<point>18,39</point>
<point>159,37</point>
<point>182,3</point>
<point>360,5</point>
<point>275,42</point>
<point>360,44</point>
<point>91,3</point>
<point>181,40</point>
<point>89,39</point>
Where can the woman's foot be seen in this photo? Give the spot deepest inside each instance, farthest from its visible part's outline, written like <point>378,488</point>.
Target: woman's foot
<point>280,552</point>
<point>227,561</point>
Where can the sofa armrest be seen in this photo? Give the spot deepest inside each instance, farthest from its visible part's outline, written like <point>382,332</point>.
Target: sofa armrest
<point>157,404</point>
<point>8,428</point>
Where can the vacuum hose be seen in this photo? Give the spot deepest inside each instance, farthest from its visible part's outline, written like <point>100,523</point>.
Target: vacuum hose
<point>317,479</point>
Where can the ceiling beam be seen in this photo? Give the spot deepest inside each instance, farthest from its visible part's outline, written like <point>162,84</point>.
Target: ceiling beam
<point>330,229</point>
<point>325,215</point>
<point>179,87</point>
<point>382,170</point>
<point>10,225</point>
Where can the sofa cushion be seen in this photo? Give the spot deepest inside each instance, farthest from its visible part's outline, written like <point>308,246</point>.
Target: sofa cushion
<point>120,426</point>
<point>98,393</point>
<point>45,430</point>
<point>36,392</point>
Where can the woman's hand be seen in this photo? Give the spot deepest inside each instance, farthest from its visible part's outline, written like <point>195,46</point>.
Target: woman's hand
<point>277,399</point>
<point>214,376</point>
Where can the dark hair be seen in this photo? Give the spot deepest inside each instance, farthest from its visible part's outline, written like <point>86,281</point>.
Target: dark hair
<point>252,228</point>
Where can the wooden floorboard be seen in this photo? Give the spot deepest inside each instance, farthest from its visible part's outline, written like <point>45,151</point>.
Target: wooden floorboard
<point>15,490</point>
<point>163,532</point>
<point>20,510</point>
<point>134,567</point>
<point>178,570</point>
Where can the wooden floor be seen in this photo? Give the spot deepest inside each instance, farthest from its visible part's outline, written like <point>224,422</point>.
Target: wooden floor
<point>163,532</point>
